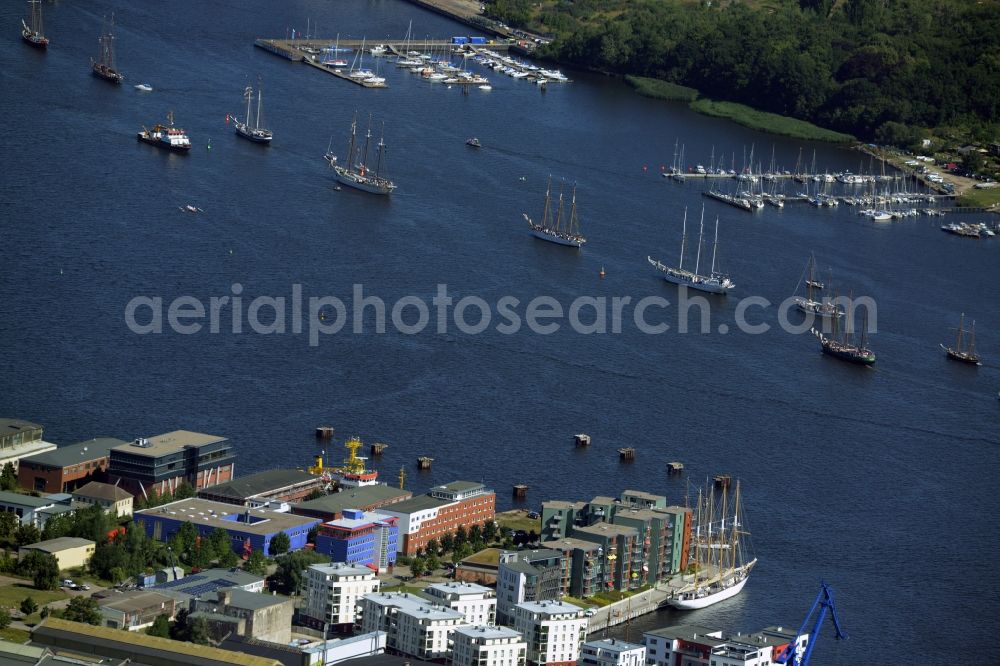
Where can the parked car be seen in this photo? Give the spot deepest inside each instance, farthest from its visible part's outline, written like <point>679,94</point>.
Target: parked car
<point>590,612</point>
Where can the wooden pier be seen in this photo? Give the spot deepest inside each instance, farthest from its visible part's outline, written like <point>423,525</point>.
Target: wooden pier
<point>364,83</point>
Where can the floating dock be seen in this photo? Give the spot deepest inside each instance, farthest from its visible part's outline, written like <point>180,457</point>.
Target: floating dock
<point>582,440</point>
<point>626,454</point>
<point>675,467</point>
<point>378,448</point>
<point>324,432</point>
<point>424,462</point>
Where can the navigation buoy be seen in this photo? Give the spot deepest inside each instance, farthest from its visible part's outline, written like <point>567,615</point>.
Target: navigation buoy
<point>209,145</point>
<point>602,273</point>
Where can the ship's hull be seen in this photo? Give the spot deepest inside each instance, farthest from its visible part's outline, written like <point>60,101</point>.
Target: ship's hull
<point>962,357</point>
<point>710,286</point>
<point>106,73</point>
<point>851,355</point>
<point>696,601</point>
<point>34,40</point>
<point>162,144</point>
<point>257,136</point>
<point>574,241</point>
<point>816,309</point>
<point>362,183</point>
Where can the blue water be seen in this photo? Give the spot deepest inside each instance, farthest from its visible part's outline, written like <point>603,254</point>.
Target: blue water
<point>879,481</point>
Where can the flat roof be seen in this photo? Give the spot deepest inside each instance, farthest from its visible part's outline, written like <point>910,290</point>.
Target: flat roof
<point>606,529</point>
<point>552,607</point>
<point>134,600</point>
<point>219,514</point>
<point>64,456</point>
<point>353,498</point>
<point>568,543</point>
<point>7,497</point>
<point>342,569</point>
<point>689,632</point>
<point>459,588</point>
<point>59,544</point>
<point>484,631</point>
<point>14,426</point>
<point>139,643</point>
<point>262,482</point>
<point>170,442</point>
<point>412,604</point>
<point>643,494</point>
<point>415,504</point>
<point>459,486</point>
<point>104,491</point>
<point>614,645</point>
<point>246,600</point>
<point>209,581</point>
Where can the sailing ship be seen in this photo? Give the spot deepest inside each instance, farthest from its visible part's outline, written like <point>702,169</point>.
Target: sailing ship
<point>719,546</point>
<point>556,231</point>
<point>253,132</point>
<point>104,67</point>
<point>166,136</point>
<point>968,353</point>
<point>840,345</point>
<point>356,173</point>
<point>714,282</point>
<point>810,305</point>
<point>33,34</point>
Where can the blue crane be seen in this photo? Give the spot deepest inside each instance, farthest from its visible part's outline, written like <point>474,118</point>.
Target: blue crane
<point>824,600</point>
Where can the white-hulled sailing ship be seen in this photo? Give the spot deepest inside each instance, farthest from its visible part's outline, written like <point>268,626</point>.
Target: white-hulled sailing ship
<point>714,282</point>
<point>252,132</point>
<point>823,307</point>
<point>32,34</point>
<point>721,556</point>
<point>356,173</point>
<point>557,231</point>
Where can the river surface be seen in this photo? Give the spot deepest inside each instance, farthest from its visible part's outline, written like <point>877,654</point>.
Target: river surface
<point>879,481</point>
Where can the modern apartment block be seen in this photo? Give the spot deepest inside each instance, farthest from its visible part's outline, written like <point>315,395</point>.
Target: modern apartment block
<point>488,646</point>
<point>528,575</point>
<point>695,645</point>
<point>333,591</point>
<point>360,538</point>
<point>413,626</point>
<point>476,602</point>
<point>584,570</point>
<point>612,652</point>
<point>163,462</point>
<point>553,630</point>
<point>622,551</point>
<point>441,511</point>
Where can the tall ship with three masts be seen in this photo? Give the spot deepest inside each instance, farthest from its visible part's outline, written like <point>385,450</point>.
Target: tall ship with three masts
<point>166,136</point>
<point>841,345</point>
<point>558,230</point>
<point>966,353</point>
<point>252,132</point>
<point>104,66</point>
<point>33,34</point>
<point>721,553</point>
<point>356,174</point>
<point>820,307</point>
<point>714,282</point>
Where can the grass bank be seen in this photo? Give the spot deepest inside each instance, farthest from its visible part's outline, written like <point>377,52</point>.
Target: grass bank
<point>768,122</point>
<point>658,89</point>
<point>975,197</point>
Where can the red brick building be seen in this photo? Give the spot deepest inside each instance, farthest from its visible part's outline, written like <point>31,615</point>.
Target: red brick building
<point>68,467</point>
<point>441,511</point>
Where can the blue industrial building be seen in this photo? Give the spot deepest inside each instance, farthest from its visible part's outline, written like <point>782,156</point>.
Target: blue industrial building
<point>361,539</point>
<point>249,529</point>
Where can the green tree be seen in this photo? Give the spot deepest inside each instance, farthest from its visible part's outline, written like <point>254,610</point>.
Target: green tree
<point>476,533</point>
<point>447,543</point>
<point>198,631</point>
<point>27,534</point>
<point>288,576</point>
<point>45,612</point>
<point>187,537</point>
<point>461,536</point>
<point>490,530</point>
<point>160,627</point>
<point>43,568</point>
<point>8,477</point>
<point>418,566</point>
<point>280,543</point>
<point>432,562</point>
<point>433,548</point>
<point>29,605</point>
<point>229,559</point>
<point>8,525</point>
<point>256,563</point>
<point>4,616</point>
<point>184,491</point>
<point>83,609</point>
<point>202,554</point>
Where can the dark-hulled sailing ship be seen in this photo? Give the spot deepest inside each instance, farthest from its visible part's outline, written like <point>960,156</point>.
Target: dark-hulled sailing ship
<point>104,65</point>
<point>966,354</point>
<point>841,345</point>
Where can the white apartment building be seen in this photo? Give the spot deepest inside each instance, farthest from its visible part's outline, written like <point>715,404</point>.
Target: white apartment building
<point>414,626</point>
<point>553,631</point>
<point>488,646</point>
<point>692,645</point>
<point>476,602</point>
<point>333,591</point>
<point>612,652</point>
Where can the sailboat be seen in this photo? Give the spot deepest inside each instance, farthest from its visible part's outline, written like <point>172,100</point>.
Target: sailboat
<point>841,346</point>
<point>819,308</point>
<point>721,564</point>
<point>713,283</point>
<point>555,231</point>
<point>253,132</point>
<point>104,67</point>
<point>356,174</point>
<point>33,34</point>
<point>335,60</point>
<point>968,354</point>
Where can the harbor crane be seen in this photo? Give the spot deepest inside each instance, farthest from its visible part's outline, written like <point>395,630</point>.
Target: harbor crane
<point>824,601</point>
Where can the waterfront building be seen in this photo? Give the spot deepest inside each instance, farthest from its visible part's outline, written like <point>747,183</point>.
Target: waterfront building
<point>366,498</point>
<point>70,552</point>
<point>163,462</point>
<point>488,646</point>
<point>441,511</point>
<point>528,575</point>
<point>553,630</point>
<point>63,469</point>
<point>622,552</point>
<point>249,529</point>
<point>612,652</point>
<point>360,538</point>
<point>584,567</point>
<point>333,591</point>
<point>112,499</point>
<point>273,487</point>
<point>415,626</point>
<point>696,645</point>
<point>476,602</point>
<point>20,439</point>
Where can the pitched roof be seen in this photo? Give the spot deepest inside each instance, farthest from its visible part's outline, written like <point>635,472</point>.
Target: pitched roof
<point>59,544</point>
<point>65,456</point>
<point>354,498</point>
<point>257,484</point>
<point>103,491</point>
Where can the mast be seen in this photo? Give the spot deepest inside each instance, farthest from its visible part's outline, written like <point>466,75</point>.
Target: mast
<point>812,276</point>
<point>248,93</point>
<point>961,327</point>
<point>548,203</point>
<point>734,542</point>
<point>560,209</point>
<point>368,137</point>
<point>715,245</point>
<point>350,143</point>
<point>701,231</point>
<point>684,235</point>
<point>972,339</point>
<point>381,151</point>
<point>574,224</point>
<point>260,96</point>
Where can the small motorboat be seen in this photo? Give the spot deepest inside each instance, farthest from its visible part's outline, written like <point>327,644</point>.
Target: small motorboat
<point>190,209</point>
<point>474,142</point>
<point>144,87</point>
<point>486,87</point>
